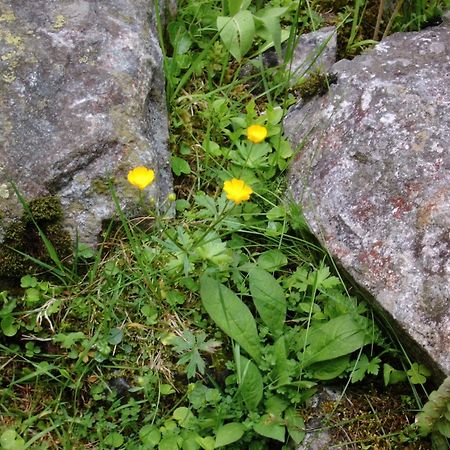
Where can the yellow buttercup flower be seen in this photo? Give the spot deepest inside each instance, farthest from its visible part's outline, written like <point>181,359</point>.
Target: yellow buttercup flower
<point>237,191</point>
<point>256,133</point>
<point>141,177</point>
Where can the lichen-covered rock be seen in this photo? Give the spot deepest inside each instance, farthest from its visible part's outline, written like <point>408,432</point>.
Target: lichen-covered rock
<point>81,102</point>
<point>373,178</point>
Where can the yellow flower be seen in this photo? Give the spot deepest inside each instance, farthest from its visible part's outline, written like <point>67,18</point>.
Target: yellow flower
<point>141,177</point>
<point>237,190</point>
<point>256,133</point>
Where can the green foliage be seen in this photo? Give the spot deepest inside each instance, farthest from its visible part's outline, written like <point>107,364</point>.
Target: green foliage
<point>214,327</point>
<point>435,414</point>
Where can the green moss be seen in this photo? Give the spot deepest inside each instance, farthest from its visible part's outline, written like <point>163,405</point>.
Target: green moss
<point>315,84</point>
<point>22,237</point>
<point>46,208</point>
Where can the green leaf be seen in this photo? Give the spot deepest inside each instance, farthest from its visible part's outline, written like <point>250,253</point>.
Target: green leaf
<point>295,425</point>
<point>268,427</point>
<point>9,326</point>
<point>252,156</point>
<point>337,337</point>
<point>28,281</point>
<point>281,374</point>
<point>251,385</point>
<point>268,26</point>
<point>330,369</point>
<point>114,439</point>
<point>237,32</point>
<point>418,374</point>
<point>115,336</point>
<point>231,315</point>
<point>272,260</point>
<point>10,440</point>
<point>179,37</point>
<point>189,440</point>
<point>269,299</point>
<point>184,417</point>
<point>179,166</point>
<point>67,340</point>
<point>150,436</point>
<point>229,433</point>
<point>393,376</point>
<point>444,428</point>
<point>235,5</point>
<point>206,443</point>
<point>169,443</point>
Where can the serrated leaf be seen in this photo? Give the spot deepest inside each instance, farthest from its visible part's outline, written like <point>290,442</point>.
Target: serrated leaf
<point>272,260</point>
<point>229,433</point>
<point>269,299</point>
<point>230,314</point>
<point>237,32</point>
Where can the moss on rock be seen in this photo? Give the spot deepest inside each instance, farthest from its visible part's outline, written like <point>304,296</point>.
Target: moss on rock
<point>22,238</point>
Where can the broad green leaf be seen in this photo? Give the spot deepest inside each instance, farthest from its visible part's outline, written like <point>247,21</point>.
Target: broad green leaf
<point>330,369</point>
<point>272,260</point>
<point>190,440</point>
<point>179,166</point>
<point>114,440</point>
<point>268,26</point>
<point>276,405</point>
<point>237,32</point>
<point>295,425</point>
<point>251,386</point>
<point>280,373</point>
<point>169,443</point>
<point>269,299</point>
<point>150,436</point>
<point>277,212</point>
<point>179,37</point>
<point>184,417</point>
<point>206,443</point>
<point>269,427</point>
<point>229,433</point>
<point>332,339</point>
<point>9,326</point>
<point>231,315</point>
<point>10,440</point>
<point>235,5</point>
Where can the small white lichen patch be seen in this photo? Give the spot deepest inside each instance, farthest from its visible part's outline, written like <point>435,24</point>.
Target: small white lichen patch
<point>4,192</point>
<point>366,98</point>
<point>388,118</point>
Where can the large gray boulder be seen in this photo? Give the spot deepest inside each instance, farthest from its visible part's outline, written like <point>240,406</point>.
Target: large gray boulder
<point>373,178</point>
<point>81,103</point>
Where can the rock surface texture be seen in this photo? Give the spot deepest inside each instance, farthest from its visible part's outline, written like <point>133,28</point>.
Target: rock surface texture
<point>81,103</point>
<point>373,178</point>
